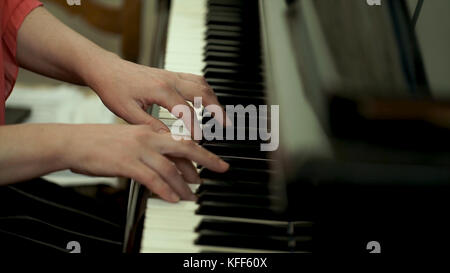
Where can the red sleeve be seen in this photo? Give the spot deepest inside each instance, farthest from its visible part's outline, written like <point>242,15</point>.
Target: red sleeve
<point>12,12</point>
<point>13,15</point>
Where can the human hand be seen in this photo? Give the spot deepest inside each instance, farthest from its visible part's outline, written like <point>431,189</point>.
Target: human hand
<point>156,160</point>
<point>127,89</point>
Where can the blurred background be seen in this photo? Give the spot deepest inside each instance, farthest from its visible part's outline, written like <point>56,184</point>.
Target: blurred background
<point>433,30</point>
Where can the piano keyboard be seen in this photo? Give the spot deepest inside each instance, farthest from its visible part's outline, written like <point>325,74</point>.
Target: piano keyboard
<point>220,39</point>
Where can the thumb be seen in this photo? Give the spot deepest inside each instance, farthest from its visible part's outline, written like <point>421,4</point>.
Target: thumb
<point>136,115</point>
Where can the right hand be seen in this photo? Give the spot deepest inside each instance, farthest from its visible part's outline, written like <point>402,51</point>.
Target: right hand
<point>156,160</point>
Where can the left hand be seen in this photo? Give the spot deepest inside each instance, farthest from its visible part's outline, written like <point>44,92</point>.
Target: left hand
<point>128,89</point>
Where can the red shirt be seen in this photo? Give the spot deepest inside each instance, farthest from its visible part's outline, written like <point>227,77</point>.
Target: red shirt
<point>12,14</point>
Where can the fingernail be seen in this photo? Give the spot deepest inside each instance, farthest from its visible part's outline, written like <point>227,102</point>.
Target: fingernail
<point>174,197</point>
<point>224,164</point>
<point>163,131</point>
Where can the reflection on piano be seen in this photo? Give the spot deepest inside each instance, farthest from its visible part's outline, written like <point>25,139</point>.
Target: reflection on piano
<point>286,53</point>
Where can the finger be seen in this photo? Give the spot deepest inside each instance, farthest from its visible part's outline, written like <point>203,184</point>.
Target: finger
<point>191,150</point>
<point>149,178</point>
<point>136,115</point>
<point>189,90</point>
<point>193,78</point>
<point>188,115</point>
<point>187,169</point>
<point>167,170</point>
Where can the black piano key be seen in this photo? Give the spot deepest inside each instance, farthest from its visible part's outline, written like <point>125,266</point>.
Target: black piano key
<point>224,42</point>
<point>214,8</point>
<point>237,73</point>
<point>224,48</point>
<point>247,137</point>
<point>232,146</point>
<point>242,227</point>
<point>219,34</point>
<point>226,28</point>
<point>234,186</point>
<point>241,211</point>
<point>224,32</point>
<point>249,64</point>
<point>232,74</point>
<point>228,3</point>
<point>241,121</point>
<point>244,47</point>
<point>254,163</point>
<point>236,84</point>
<point>231,65</point>
<point>238,91</point>
<point>241,51</point>
<point>246,94</point>
<point>235,198</point>
<point>299,228</point>
<point>235,172</point>
<point>223,13</point>
<point>240,150</point>
<point>245,15</point>
<point>249,59</point>
<point>252,30</point>
<point>224,55</point>
<point>218,146</point>
<point>232,99</point>
<point>224,20</point>
<point>277,243</point>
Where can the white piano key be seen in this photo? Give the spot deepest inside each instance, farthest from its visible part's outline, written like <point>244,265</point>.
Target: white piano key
<point>170,228</point>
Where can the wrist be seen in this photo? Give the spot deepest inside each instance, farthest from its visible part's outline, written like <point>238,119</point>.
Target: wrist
<point>58,139</point>
<point>96,68</point>
<point>32,150</point>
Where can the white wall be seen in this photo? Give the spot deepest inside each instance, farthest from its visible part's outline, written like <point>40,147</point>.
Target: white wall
<point>433,31</point>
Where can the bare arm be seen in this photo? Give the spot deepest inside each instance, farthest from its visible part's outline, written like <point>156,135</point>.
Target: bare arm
<point>29,151</point>
<point>50,48</point>
<point>135,151</point>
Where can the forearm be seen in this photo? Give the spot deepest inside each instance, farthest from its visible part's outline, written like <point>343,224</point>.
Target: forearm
<point>31,150</point>
<point>156,160</point>
<point>48,47</point>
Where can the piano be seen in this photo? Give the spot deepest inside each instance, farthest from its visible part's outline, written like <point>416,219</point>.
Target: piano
<point>277,53</point>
